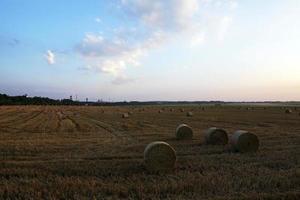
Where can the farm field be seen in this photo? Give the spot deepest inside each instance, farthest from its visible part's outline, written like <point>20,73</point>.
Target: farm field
<point>85,152</point>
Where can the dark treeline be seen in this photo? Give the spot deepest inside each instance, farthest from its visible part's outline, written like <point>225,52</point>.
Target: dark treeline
<point>25,100</point>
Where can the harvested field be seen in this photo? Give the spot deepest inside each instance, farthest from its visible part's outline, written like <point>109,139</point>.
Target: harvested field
<point>73,152</point>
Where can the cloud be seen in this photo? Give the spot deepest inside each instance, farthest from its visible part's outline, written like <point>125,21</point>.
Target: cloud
<point>98,20</point>
<point>155,23</point>
<point>50,57</point>
<point>197,39</point>
<point>175,16</point>
<point>14,42</point>
<point>94,45</point>
<point>223,27</point>
<point>169,15</point>
<point>9,41</point>
<point>112,56</point>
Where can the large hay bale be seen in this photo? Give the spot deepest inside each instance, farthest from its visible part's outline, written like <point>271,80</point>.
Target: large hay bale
<point>184,131</point>
<point>189,114</point>
<point>182,110</point>
<point>216,136</point>
<point>160,111</point>
<point>125,115</point>
<point>159,157</point>
<point>244,141</point>
<point>288,111</point>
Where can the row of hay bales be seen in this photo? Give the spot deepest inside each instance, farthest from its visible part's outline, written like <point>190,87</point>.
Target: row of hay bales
<point>290,111</point>
<point>240,141</point>
<point>127,114</point>
<point>160,156</point>
<point>189,113</point>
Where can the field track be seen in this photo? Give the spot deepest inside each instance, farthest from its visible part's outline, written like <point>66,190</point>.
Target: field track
<point>85,152</point>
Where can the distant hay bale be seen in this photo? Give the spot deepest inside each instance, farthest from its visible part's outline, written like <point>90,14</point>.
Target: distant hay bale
<point>184,131</point>
<point>159,157</point>
<point>189,114</point>
<point>216,136</point>
<point>160,111</point>
<point>244,141</point>
<point>181,110</point>
<point>130,113</point>
<point>288,111</point>
<point>125,115</point>
<point>171,109</point>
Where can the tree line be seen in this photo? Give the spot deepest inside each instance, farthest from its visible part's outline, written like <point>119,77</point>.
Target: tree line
<point>25,100</point>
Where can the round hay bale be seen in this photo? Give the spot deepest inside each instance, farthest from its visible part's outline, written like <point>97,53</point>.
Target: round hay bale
<point>288,111</point>
<point>216,136</point>
<point>160,111</point>
<point>189,114</point>
<point>181,110</point>
<point>125,115</point>
<point>159,157</point>
<point>244,141</point>
<point>184,131</point>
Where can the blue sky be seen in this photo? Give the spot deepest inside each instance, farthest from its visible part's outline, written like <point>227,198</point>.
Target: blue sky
<point>230,50</point>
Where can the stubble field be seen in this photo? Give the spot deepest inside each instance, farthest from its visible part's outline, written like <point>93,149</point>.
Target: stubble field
<point>85,152</point>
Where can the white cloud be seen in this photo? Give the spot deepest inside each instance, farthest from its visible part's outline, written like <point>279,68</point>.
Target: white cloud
<point>197,39</point>
<point>223,27</point>
<point>98,20</point>
<point>112,56</point>
<point>50,57</point>
<point>233,5</point>
<point>95,45</point>
<point>156,23</point>
<point>169,15</point>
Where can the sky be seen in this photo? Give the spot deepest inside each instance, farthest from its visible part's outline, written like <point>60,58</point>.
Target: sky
<point>144,50</point>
